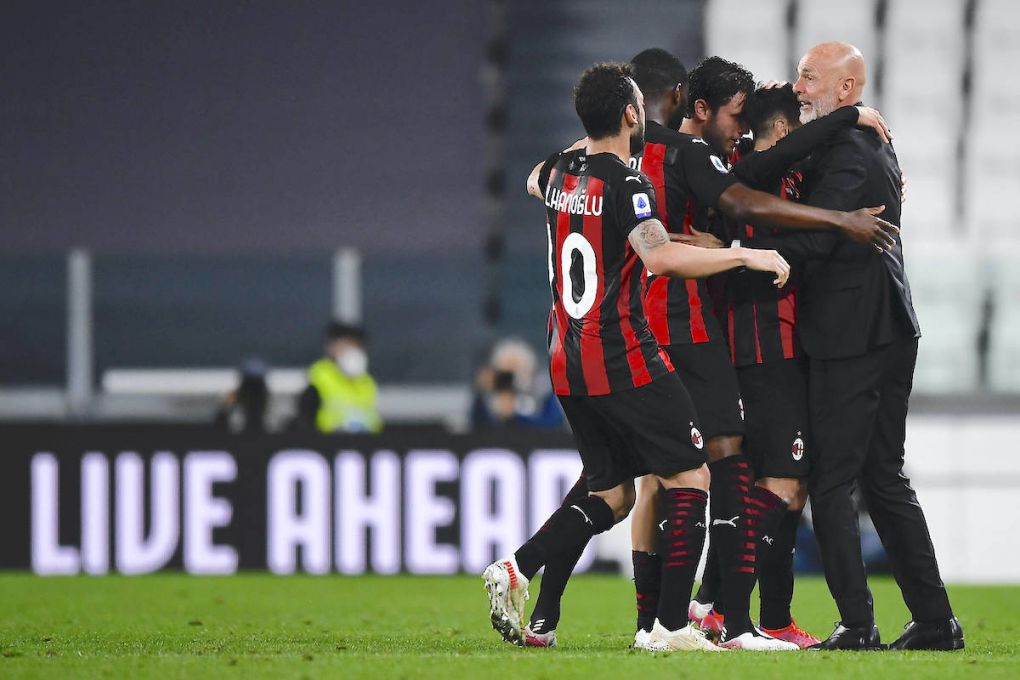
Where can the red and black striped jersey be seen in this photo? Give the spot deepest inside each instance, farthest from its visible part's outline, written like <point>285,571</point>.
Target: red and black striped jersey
<point>688,179</point>
<point>599,340</point>
<point>761,319</point>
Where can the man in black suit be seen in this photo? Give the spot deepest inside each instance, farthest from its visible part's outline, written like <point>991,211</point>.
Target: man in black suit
<point>857,324</point>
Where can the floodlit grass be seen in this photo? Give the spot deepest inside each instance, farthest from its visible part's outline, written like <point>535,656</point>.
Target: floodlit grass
<point>256,625</point>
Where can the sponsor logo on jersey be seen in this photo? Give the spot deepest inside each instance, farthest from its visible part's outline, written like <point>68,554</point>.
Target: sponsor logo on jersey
<point>642,206</point>
<point>573,204</point>
<point>719,165</point>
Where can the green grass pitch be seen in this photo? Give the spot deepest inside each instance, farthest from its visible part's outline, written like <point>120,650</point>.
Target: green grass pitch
<point>256,625</point>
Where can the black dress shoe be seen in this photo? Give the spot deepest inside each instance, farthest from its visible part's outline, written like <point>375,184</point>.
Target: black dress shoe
<point>941,635</point>
<point>859,638</point>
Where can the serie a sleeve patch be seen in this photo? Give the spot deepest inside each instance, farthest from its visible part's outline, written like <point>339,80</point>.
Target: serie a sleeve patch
<point>642,206</point>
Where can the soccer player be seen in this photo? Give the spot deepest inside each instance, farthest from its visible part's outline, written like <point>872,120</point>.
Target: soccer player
<point>628,410</point>
<point>858,327</point>
<point>688,168</point>
<point>760,323</point>
<point>693,181</point>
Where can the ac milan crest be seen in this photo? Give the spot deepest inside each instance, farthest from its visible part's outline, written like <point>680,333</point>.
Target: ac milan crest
<point>696,437</point>
<point>797,450</point>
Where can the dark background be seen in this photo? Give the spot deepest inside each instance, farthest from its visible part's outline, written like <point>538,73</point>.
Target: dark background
<point>213,155</point>
<point>240,126</point>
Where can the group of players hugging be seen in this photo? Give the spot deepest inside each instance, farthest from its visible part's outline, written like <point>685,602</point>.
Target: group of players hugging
<point>681,345</point>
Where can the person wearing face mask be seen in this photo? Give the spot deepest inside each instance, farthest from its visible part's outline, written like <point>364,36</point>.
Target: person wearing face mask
<point>341,395</point>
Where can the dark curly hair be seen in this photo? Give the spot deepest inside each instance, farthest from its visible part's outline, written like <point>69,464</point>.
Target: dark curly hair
<point>600,97</point>
<point>764,106</point>
<point>717,81</point>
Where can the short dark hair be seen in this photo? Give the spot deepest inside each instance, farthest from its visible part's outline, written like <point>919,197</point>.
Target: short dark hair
<point>600,97</point>
<point>717,81</point>
<point>657,72</point>
<point>339,330</point>
<point>765,105</point>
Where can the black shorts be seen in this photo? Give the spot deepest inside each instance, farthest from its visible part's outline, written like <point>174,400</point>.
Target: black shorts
<point>650,429</point>
<point>708,375</point>
<point>776,412</point>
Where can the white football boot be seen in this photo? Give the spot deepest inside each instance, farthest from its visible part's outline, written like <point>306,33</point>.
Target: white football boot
<point>687,638</point>
<point>757,641</point>
<point>641,638</point>
<point>508,591</point>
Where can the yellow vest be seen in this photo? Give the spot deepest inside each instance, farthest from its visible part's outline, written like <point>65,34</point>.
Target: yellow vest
<point>345,404</point>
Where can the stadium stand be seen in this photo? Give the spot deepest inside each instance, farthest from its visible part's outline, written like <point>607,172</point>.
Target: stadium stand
<point>759,39</point>
<point>944,74</point>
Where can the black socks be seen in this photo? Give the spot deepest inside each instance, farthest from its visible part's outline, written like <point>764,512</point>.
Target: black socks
<point>733,537</point>
<point>647,582</point>
<point>775,572</point>
<point>558,545</point>
<point>683,539</point>
<point>531,556</point>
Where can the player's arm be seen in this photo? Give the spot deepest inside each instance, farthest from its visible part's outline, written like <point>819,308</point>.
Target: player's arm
<point>840,186</point>
<point>765,168</point>
<point>535,184</point>
<point>650,241</point>
<point>761,209</point>
<point>712,184</point>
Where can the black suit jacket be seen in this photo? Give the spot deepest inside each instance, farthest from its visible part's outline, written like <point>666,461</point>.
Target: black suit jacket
<point>852,299</point>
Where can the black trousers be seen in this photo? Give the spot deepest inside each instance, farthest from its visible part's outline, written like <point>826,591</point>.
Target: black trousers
<point>858,420</point>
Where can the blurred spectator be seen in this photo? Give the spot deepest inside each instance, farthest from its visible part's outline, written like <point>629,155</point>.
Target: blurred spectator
<point>341,395</point>
<point>244,409</point>
<point>510,392</point>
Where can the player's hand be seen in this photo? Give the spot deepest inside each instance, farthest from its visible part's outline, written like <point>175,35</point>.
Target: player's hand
<point>533,188</point>
<point>862,226</point>
<point>767,261</point>
<point>579,144</point>
<point>868,117</point>
<point>697,238</point>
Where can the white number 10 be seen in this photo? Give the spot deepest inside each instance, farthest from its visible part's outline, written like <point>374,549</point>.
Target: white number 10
<point>577,243</point>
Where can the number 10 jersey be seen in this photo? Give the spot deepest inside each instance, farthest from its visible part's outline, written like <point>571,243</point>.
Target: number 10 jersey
<point>599,340</point>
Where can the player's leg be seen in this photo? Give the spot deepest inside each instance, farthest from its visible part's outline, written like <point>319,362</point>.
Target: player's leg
<point>567,532</point>
<point>659,422</point>
<point>685,499</point>
<point>706,373</point>
<point>529,558</point>
<point>529,555</point>
<point>775,563</point>
<point>711,378</point>
<point>507,579</point>
<point>644,533</point>
<point>776,439</point>
<point>541,628</point>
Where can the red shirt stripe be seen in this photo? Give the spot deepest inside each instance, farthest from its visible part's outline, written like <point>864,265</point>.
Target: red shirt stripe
<point>593,361</point>
<point>635,359</point>
<point>787,322</point>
